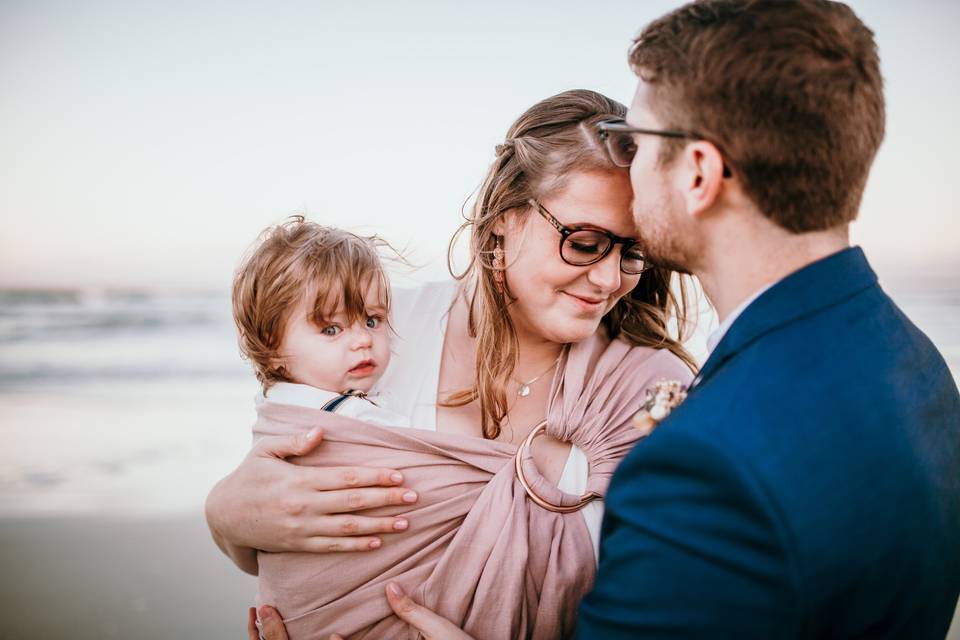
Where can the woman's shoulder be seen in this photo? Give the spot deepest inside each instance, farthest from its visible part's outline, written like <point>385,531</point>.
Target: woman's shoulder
<point>642,365</point>
<point>599,365</point>
<point>660,363</point>
<point>638,361</point>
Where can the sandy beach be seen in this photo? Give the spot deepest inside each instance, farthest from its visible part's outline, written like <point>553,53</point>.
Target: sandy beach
<point>94,577</point>
<point>163,578</point>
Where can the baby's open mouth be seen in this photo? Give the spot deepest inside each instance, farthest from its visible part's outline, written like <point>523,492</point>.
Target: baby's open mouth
<point>364,368</point>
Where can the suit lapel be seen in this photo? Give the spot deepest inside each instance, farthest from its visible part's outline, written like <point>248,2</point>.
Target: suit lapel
<point>817,286</point>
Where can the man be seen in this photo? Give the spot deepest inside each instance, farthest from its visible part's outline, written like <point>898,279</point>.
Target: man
<point>809,486</point>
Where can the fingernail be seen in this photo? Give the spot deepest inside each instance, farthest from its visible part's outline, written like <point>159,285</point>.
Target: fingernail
<point>410,496</point>
<point>313,432</point>
<point>397,477</point>
<point>265,613</point>
<point>395,589</point>
<point>401,525</point>
<point>375,543</point>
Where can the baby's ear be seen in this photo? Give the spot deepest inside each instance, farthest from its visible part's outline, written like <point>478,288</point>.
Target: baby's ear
<point>278,367</point>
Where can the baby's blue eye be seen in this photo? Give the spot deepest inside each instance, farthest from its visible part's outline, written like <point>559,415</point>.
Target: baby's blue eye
<point>373,322</point>
<point>331,331</point>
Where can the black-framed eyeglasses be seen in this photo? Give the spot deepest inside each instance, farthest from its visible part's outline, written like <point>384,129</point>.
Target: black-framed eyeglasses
<point>582,245</point>
<point>617,137</point>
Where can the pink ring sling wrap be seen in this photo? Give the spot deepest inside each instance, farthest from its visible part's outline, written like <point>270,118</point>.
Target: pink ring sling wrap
<point>479,551</point>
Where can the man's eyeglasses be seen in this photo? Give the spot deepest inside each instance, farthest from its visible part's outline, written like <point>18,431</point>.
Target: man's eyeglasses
<point>617,137</point>
<point>581,245</point>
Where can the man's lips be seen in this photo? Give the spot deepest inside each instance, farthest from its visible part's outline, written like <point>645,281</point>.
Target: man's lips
<point>364,368</point>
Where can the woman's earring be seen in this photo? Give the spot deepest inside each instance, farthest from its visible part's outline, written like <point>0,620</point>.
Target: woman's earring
<point>498,264</point>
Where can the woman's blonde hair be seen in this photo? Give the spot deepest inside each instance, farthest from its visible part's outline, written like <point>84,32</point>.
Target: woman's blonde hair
<point>295,261</point>
<point>551,140</point>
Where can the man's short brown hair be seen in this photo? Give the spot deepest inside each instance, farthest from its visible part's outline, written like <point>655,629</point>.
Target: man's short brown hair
<point>790,91</point>
<point>295,261</point>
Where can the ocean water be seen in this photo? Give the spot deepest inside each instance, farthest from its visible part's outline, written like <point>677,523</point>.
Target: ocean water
<point>935,308</point>
<point>136,402</point>
<point>118,402</point>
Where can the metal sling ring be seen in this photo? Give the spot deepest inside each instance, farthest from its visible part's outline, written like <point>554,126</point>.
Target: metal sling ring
<point>584,500</point>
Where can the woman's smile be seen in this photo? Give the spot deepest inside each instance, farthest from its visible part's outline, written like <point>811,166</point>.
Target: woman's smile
<point>587,304</point>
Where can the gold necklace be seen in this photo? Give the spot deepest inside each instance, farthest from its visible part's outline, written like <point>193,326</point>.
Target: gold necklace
<point>524,390</point>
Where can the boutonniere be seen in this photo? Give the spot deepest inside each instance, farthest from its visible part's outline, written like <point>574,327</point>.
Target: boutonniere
<point>664,397</point>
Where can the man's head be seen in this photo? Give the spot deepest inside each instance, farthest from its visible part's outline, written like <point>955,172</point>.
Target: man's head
<point>784,103</point>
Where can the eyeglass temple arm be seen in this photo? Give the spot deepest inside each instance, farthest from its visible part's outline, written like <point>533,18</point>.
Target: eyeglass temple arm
<point>546,214</point>
<point>604,129</point>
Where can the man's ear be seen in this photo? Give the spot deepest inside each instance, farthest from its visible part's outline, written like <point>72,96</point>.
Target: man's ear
<point>702,176</point>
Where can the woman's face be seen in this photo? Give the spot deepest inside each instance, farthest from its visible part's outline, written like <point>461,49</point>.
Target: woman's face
<point>555,301</point>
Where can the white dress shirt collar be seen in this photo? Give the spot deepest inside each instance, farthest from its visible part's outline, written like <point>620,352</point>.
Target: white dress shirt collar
<point>714,339</point>
<point>300,395</point>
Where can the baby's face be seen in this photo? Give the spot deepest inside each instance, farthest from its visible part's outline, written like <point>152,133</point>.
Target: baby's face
<point>335,355</point>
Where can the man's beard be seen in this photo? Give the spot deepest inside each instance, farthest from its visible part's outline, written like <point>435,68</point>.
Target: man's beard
<point>662,236</point>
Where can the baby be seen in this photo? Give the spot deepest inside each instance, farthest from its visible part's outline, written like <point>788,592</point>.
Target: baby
<point>312,305</point>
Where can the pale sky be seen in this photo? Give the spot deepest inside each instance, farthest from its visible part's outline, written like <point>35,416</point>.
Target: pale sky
<point>148,143</point>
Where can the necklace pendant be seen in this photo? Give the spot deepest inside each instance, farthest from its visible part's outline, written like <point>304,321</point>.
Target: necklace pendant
<point>524,391</point>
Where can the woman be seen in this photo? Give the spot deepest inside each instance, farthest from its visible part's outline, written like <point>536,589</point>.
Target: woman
<point>554,263</point>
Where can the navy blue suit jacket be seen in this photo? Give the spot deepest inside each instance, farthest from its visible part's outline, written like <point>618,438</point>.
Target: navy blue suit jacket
<point>809,486</point>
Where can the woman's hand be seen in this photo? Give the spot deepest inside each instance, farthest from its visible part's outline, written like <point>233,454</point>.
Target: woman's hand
<point>270,504</point>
